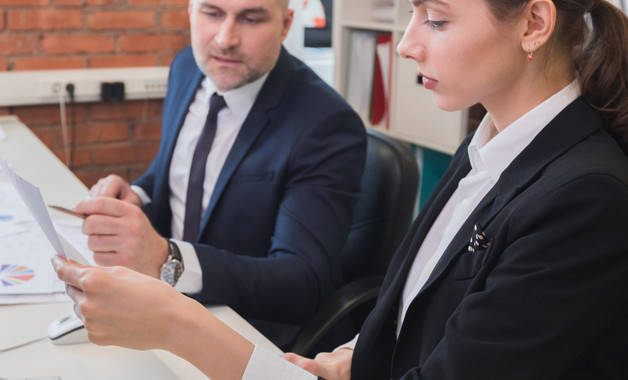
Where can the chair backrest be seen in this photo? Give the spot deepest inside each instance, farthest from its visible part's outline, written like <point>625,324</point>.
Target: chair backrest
<point>384,211</point>
<point>381,219</point>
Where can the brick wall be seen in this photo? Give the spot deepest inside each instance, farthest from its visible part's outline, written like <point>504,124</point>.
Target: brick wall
<point>117,138</point>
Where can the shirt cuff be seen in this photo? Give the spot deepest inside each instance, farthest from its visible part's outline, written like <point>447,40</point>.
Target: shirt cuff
<point>350,344</point>
<point>144,198</point>
<point>264,365</point>
<point>191,280</point>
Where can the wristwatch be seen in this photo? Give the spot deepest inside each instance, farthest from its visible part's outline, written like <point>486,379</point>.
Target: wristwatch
<point>173,267</point>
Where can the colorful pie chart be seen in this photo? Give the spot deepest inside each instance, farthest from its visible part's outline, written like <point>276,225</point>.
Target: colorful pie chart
<point>12,275</point>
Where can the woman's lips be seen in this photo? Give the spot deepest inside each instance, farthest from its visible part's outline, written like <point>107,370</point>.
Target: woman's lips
<point>428,82</point>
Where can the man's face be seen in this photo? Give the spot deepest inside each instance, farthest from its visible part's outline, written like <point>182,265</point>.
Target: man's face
<point>235,42</point>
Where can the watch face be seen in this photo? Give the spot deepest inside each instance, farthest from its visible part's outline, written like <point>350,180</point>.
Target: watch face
<point>171,271</point>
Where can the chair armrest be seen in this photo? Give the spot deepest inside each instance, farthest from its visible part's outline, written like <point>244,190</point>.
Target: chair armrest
<point>339,305</point>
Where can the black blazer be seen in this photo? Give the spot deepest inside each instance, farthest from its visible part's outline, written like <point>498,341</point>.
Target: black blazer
<point>547,299</point>
<point>282,206</point>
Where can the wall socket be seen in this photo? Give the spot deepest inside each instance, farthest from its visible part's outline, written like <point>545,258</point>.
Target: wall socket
<point>42,87</point>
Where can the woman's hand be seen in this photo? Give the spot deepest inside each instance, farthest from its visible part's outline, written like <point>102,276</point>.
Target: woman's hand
<point>328,365</point>
<point>125,308</point>
<point>119,306</point>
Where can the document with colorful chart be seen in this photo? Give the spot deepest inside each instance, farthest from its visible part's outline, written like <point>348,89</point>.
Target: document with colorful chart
<point>28,239</point>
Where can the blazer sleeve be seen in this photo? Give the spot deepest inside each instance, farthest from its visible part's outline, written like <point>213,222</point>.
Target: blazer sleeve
<point>301,268</point>
<point>553,287</point>
<point>183,78</point>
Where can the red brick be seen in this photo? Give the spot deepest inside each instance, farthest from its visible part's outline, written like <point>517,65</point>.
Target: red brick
<point>81,157</point>
<point>70,43</point>
<point>102,132</point>
<point>48,19</point>
<point>4,111</point>
<point>47,135</point>
<point>1,19</point>
<point>158,2</point>
<point>18,44</point>
<point>167,58</point>
<point>89,178</point>
<point>151,42</point>
<point>175,19</point>
<point>87,2</point>
<point>136,60</point>
<point>118,111</point>
<point>123,154</point>
<point>3,64</point>
<point>121,20</point>
<point>104,2</point>
<point>148,131</point>
<point>76,113</point>
<point>60,153</point>
<point>21,3</point>
<point>137,170</point>
<point>49,63</point>
<point>38,115</point>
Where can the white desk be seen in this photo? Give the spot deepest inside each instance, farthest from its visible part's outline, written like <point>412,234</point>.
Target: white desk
<point>22,323</point>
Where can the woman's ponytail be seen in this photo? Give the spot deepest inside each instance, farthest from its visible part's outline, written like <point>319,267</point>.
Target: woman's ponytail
<point>602,67</point>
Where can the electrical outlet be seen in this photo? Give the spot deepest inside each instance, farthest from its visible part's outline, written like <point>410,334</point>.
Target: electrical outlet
<point>45,86</point>
<point>156,85</point>
<point>52,89</point>
<point>56,87</point>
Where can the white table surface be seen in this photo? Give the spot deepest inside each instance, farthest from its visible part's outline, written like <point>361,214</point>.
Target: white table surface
<point>19,324</point>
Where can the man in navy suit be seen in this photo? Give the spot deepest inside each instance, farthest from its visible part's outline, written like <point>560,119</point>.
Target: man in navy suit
<point>280,182</point>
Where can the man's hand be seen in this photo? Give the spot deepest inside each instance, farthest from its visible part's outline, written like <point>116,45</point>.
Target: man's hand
<point>121,234</point>
<point>113,186</point>
<point>328,365</point>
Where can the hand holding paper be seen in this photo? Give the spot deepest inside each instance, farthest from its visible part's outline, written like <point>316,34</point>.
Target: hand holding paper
<point>32,198</point>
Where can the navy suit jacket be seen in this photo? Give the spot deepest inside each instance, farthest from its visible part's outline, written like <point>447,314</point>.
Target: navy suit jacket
<point>548,299</point>
<point>282,206</point>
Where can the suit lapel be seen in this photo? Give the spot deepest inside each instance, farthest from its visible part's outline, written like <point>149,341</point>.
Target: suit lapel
<point>182,96</point>
<point>375,347</point>
<point>441,194</point>
<point>258,119</point>
<point>572,125</point>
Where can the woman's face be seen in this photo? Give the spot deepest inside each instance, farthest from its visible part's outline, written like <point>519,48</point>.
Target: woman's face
<point>464,55</point>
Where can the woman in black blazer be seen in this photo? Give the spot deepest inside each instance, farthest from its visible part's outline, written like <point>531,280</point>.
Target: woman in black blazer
<point>517,267</point>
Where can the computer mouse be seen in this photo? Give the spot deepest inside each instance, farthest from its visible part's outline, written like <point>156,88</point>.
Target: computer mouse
<point>67,329</point>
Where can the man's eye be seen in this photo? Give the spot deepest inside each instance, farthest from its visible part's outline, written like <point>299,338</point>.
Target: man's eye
<point>211,13</point>
<point>252,20</point>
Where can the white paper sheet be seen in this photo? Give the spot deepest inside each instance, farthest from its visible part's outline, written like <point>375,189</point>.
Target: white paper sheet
<point>31,196</point>
<point>25,266</point>
<point>26,274</point>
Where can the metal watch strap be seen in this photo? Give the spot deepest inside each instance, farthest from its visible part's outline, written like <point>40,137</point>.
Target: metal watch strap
<point>173,251</point>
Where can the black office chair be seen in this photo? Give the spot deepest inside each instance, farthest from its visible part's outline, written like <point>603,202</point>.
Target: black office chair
<point>381,219</point>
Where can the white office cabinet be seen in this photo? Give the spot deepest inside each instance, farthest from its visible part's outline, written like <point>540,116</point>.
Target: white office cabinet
<point>411,113</point>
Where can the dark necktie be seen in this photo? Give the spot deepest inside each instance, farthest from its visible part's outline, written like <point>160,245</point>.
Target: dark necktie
<point>194,198</point>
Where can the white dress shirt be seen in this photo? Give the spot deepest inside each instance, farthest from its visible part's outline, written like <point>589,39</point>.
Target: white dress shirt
<point>489,157</point>
<point>490,154</point>
<point>230,119</point>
